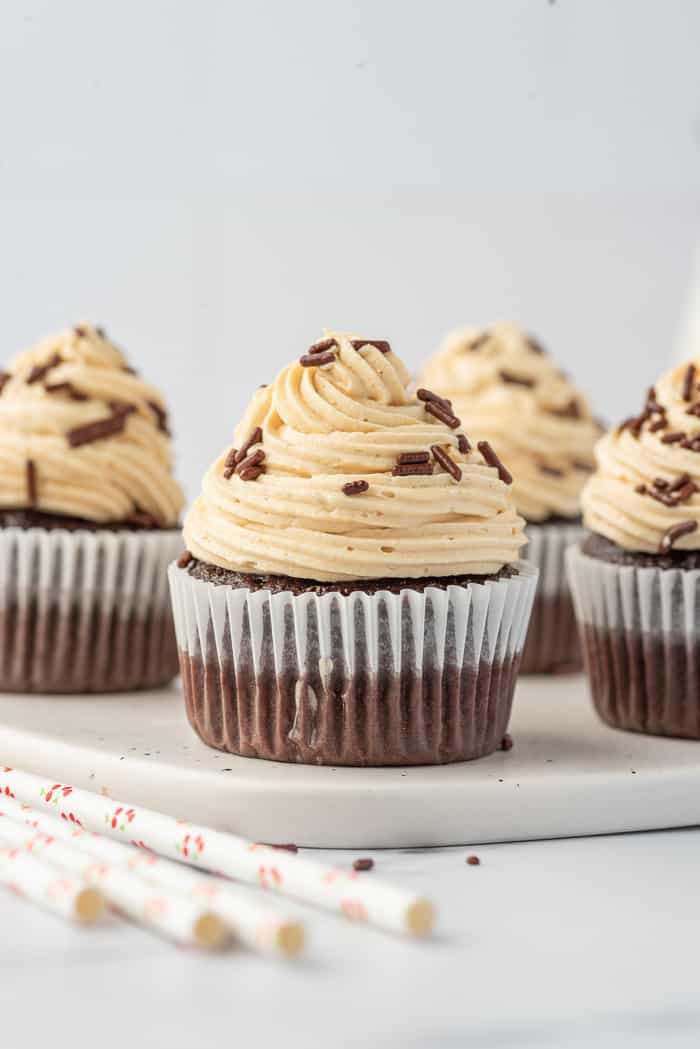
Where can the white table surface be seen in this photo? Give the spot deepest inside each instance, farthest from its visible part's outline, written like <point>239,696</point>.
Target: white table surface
<point>578,942</point>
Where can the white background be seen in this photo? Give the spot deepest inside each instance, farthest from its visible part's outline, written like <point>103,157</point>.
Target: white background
<point>217,181</point>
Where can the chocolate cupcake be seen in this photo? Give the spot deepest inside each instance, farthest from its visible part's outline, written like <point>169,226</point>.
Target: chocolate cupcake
<point>508,389</point>
<point>351,593</point>
<point>88,521</point>
<point>636,579</point>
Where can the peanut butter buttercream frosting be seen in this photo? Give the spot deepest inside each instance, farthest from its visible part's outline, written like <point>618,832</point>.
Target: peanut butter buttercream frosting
<point>339,472</point>
<point>81,434</point>
<point>643,495</point>
<point>505,387</point>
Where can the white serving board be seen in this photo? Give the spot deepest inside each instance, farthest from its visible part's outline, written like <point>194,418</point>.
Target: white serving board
<point>567,774</point>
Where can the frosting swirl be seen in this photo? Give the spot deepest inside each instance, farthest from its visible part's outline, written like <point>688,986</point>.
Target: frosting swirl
<point>644,493</point>
<point>82,434</point>
<point>322,429</point>
<point>507,388</point>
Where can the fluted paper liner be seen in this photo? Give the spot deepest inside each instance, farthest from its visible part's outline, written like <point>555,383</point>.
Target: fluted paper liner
<point>85,611</point>
<point>384,679</point>
<point>640,632</point>
<point>552,644</point>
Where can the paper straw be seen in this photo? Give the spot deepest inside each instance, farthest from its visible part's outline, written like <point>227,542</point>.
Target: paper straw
<point>253,924</point>
<point>42,883</point>
<point>182,920</point>
<point>356,896</point>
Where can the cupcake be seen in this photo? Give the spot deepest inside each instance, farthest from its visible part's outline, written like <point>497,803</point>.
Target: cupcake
<point>505,387</point>
<point>351,592</point>
<point>89,512</point>
<point>636,578</point>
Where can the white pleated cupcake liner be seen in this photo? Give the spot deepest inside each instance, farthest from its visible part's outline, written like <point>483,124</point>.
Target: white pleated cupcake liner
<point>85,611</point>
<point>552,644</point>
<point>640,631</point>
<point>357,679</point>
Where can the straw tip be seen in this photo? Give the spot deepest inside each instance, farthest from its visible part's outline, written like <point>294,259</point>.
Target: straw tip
<point>90,906</point>
<point>291,939</point>
<point>420,917</point>
<point>210,931</point>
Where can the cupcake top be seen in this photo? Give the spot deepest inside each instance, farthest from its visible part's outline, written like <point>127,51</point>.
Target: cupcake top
<point>644,493</point>
<point>505,387</point>
<point>340,473</point>
<point>82,435</point>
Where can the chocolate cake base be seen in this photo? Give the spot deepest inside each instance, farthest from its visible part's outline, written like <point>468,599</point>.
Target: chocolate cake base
<point>603,549</point>
<point>27,518</point>
<point>644,683</point>
<point>552,643</point>
<point>367,720</point>
<point>85,649</point>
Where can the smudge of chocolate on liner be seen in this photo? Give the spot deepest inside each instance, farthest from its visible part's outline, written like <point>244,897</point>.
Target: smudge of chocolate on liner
<point>675,532</point>
<point>97,431</point>
<point>379,344</point>
<point>412,470</point>
<point>40,370</point>
<point>32,496</point>
<point>255,458</point>
<point>161,417</point>
<point>321,346</point>
<point>363,864</point>
<point>317,360</point>
<point>355,487</point>
<point>463,444</point>
<point>67,388</point>
<point>444,415</point>
<point>413,457</point>
<point>184,559</point>
<point>443,459</point>
<point>516,380</point>
<point>255,438</point>
<point>688,385</point>
<point>493,460</point>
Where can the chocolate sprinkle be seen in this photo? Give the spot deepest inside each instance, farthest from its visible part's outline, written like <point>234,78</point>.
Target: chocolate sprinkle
<point>80,332</point>
<point>355,487</point>
<point>161,417</point>
<point>321,346</point>
<point>473,861</point>
<point>96,431</point>
<point>315,360</point>
<point>676,531</point>
<point>239,456</point>
<point>379,344</point>
<point>535,345</point>
<point>68,388</point>
<point>254,459</point>
<point>412,470</point>
<point>443,414</point>
<point>640,489</point>
<point>672,438</point>
<point>694,410</point>
<point>578,464</point>
<point>688,383</point>
<point>413,457</point>
<point>4,379</point>
<point>40,370</point>
<point>479,340</point>
<point>446,462</point>
<point>364,864</point>
<point>463,444</point>
<point>252,473</point>
<point>692,444</point>
<point>552,471</point>
<point>516,380</point>
<point>493,460</point>
<point>658,424</point>
<point>571,410</point>
<point>184,559</point>
<point>428,395</point>
<point>31,482</point>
